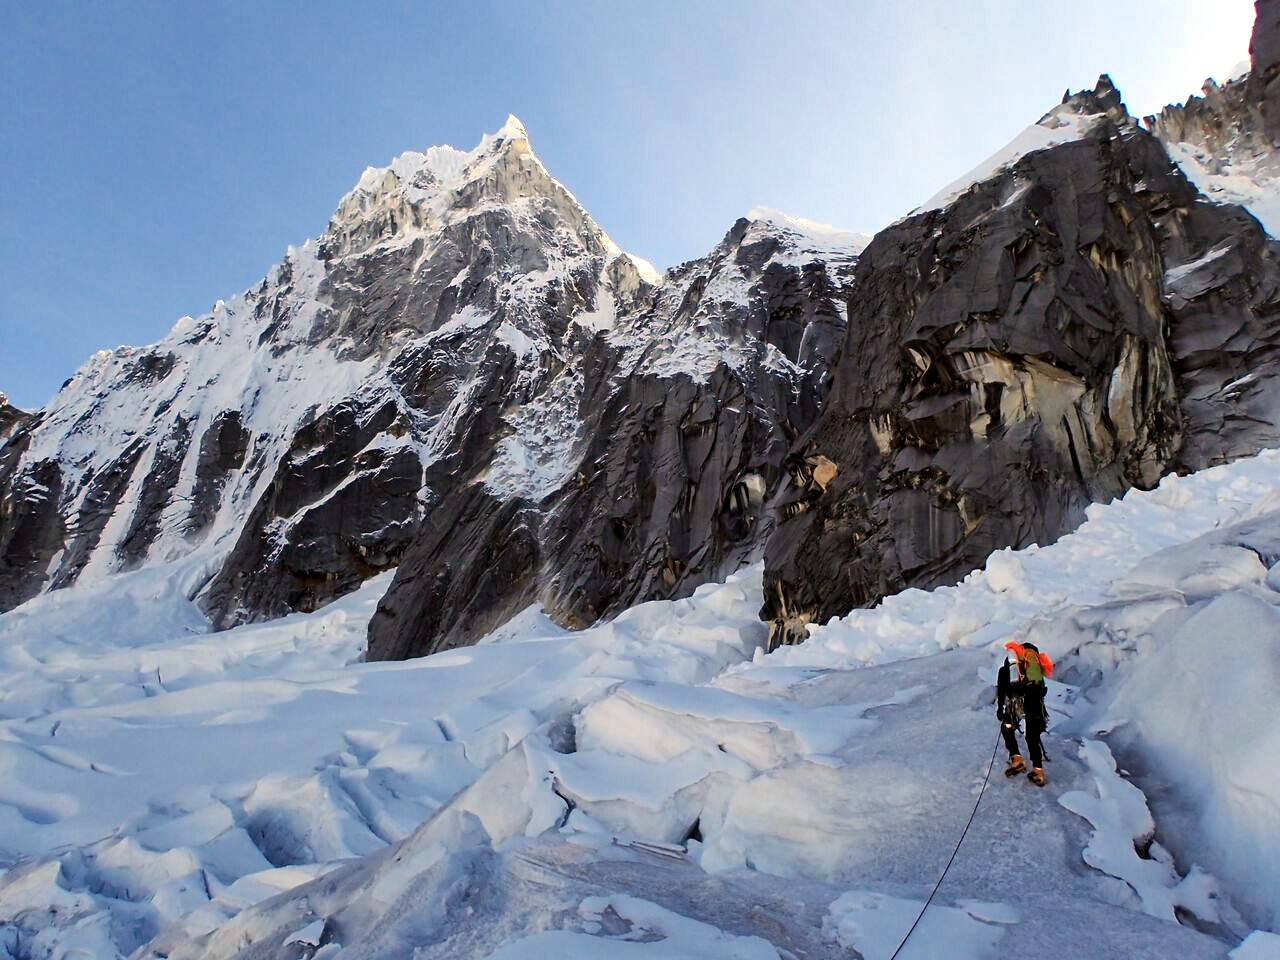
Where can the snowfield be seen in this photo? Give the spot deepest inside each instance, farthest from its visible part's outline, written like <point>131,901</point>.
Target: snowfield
<point>657,787</point>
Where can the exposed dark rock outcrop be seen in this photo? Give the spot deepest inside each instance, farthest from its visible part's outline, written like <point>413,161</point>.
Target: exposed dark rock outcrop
<point>98,500</point>
<point>11,418</point>
<point>31,527</point>
<point>1264,56</point>
<point>337,511</point>
<point>1077,325</point>
<point>157,490</point>
<point>222,451</point>
<point>667,485</point>
<point>673,489</point>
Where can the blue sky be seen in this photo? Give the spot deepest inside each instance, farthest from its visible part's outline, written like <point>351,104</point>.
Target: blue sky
<point>157,156</point>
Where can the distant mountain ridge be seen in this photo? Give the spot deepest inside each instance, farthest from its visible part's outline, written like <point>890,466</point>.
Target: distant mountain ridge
<point>458,364</point>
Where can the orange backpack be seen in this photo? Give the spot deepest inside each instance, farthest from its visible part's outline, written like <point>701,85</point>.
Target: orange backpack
<point>1033,666</point>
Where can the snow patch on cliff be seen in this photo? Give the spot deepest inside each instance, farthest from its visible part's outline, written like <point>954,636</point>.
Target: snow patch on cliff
<point>1060,125</point>
<point>1252,182</point>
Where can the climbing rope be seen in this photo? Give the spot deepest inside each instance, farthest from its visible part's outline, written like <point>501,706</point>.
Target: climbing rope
<point>963,834</point>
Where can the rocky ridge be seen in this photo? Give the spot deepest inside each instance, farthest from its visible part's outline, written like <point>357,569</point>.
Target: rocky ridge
<point>1077,322</point>
<point>462,361</point>
<point>684,411</point>
<point>10,417</point>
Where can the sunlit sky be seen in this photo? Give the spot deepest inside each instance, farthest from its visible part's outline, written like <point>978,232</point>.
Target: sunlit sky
<point>158,156</point>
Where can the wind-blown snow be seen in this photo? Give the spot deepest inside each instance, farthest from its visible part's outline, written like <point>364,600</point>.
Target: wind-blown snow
<point>1120,816</point>
<point>1060,125</point>
<point>875,923</point>
<point>1259,945</point>
<point>637,789</point>
<point>132,746</point>
<point>811,239</point>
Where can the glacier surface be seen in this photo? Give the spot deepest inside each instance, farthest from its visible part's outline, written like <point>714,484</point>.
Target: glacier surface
<point>656,785</point>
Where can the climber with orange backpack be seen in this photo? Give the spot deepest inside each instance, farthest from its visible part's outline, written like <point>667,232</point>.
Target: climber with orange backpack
<point>1022,697</point>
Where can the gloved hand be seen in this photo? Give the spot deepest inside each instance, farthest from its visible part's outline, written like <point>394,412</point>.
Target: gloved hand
<point>1000,712</point>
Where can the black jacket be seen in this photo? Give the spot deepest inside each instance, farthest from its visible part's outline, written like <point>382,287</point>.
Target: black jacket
<point>1018,698</point>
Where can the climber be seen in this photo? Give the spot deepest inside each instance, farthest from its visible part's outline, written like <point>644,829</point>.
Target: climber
<point>1023,698</point>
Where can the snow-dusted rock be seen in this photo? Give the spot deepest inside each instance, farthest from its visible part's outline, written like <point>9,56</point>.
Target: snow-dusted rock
<point>1075,322</point>
<point>647,468</point>
<point>463,372</point>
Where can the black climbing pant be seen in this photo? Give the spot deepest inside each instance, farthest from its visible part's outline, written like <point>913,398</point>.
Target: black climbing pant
<point>1033,704</point>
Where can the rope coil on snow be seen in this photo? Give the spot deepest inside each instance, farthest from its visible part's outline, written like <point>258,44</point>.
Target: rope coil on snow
<point>964,833</point>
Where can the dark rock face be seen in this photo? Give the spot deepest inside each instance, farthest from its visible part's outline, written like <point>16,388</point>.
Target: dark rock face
<point>668,487</point>
<point>11,418</point>
<point>336,513</point>
<point>31,528</point>
<point>157,489</point>
<point>1076,326</point>
<point>474,562</point>
<point>673,490</point>
<point>222,452</point>
<point>102,495</point>
<point>1222,290</point>
<point>1264,56</point>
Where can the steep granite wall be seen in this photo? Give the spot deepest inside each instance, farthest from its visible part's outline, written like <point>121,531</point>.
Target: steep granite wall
<point>1078,324</point>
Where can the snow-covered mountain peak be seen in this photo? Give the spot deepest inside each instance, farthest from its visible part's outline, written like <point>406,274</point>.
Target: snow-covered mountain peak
<point>444,166</point>
<point>1070,120</point>
<point>809,238</point>
<point>10,417</point>
<point>423,193</point>
<point>513,129</point>
<point>449,285</point>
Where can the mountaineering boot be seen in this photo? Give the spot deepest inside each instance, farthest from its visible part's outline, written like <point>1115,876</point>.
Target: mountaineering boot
<point>1036,776</point>
<point>1015,767</point>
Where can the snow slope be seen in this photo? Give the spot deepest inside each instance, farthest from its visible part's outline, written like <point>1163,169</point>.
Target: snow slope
<point>639,789</point>
<point>1062,124</point>
<point>185,776</point>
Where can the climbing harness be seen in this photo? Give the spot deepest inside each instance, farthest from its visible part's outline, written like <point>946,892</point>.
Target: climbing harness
<point>963,834</point>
